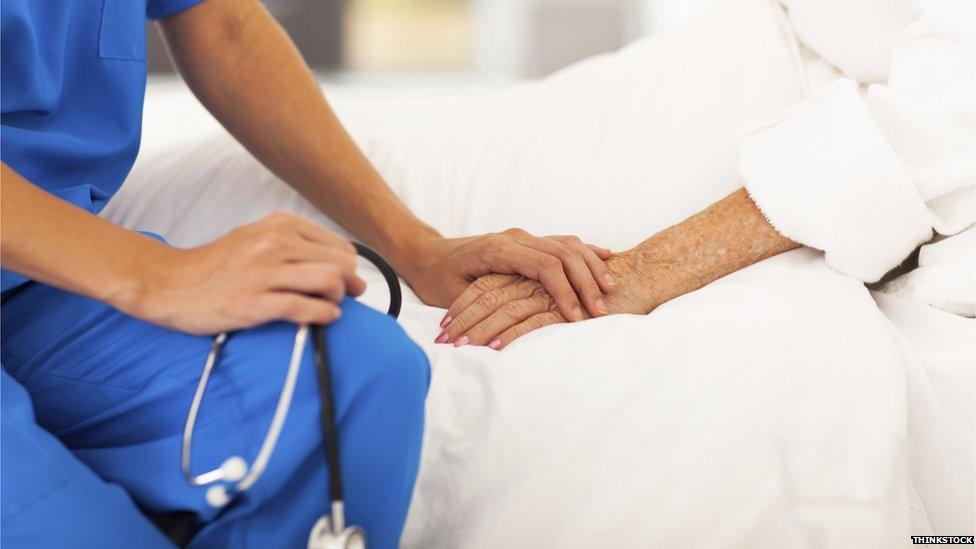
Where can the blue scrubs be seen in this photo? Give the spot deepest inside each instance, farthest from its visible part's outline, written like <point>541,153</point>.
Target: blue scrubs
<point>62,501</point>
<point>115,391</point>
<point>72,82</point>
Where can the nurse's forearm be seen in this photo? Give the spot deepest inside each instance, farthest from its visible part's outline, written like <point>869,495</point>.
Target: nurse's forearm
<point>247,72</point>
<point>280,268</point>
<point>50,240</point>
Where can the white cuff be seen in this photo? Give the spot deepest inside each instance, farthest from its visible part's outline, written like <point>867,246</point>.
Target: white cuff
<point>825,176</point>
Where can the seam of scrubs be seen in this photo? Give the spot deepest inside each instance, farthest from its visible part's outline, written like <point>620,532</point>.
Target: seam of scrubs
<point>101,29</point>
<point>79,380</point>
<point>47,355</point>
<point>173,9</point>
<point>6,354</point>
<point>18,510</point>
<point>44,493</point>
<point>116,56</point>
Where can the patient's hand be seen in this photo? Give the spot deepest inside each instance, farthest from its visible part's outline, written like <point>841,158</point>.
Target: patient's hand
<point>728,235</point>
<point>573,272</point>
<point>496,309</point>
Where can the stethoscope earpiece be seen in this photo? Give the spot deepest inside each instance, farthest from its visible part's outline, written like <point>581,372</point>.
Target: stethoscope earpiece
<point>217,496</point>
<point>234,468</point>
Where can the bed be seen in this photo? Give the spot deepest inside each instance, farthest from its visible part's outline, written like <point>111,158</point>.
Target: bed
<point>782,406</point>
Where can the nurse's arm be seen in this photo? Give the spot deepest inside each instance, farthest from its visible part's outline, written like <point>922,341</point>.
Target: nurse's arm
<point>282,267</point>
<point>243,67</point>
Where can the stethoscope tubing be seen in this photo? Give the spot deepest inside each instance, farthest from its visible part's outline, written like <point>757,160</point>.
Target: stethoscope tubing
<point>214,475</point>
<point>323,366</point>
<point>254,472</point>
<point>247,476</point>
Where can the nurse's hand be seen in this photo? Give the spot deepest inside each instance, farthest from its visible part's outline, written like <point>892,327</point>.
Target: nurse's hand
<point>283,267</point>
<point>497,309</point>
<point>727,236</point>
<point>572,272</point>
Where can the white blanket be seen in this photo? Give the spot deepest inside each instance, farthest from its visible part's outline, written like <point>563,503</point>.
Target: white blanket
<point>776,407</point>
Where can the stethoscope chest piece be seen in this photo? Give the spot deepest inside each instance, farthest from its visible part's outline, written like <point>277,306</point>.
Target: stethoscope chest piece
<point>324,537</point>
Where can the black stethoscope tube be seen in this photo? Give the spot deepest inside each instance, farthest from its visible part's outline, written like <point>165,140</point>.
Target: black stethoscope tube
<point>392,282</point>
<point>323,365</point>
<point>330,435</point>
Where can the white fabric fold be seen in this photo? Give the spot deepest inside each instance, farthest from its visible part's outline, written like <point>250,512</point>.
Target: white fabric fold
<point>867,179</point>
<point>824,175</point>
<point>945,277</point>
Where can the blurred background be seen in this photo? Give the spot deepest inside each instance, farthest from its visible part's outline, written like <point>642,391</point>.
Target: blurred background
<point>376,41</point>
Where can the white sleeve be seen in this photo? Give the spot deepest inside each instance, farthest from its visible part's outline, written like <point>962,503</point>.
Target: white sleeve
<point>866,179</point>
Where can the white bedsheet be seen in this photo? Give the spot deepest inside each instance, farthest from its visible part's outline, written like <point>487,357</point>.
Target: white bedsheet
<point>776,407</point>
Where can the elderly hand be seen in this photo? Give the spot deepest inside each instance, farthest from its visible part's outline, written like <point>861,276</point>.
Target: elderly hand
<point>725,237</point>
<point>572,272</point>
<point>496,309</point>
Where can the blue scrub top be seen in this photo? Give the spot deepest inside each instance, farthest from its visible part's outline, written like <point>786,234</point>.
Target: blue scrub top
<point>72,82</point>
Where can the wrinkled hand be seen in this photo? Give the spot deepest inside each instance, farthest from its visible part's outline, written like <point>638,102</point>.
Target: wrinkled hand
<point>283,267</point>
<point>570,271</point>
<point>497,309</point>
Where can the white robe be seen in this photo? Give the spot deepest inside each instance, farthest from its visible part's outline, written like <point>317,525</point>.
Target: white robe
<point>867,177</point>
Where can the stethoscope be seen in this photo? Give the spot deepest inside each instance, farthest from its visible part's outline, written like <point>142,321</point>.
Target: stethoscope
<point>234,474</point>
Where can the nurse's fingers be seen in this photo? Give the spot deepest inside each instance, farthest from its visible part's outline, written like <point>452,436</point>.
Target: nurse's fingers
<point>566,264</point>
<point>507,316</point>
<point>308,230</point>
<point>548,270</point>
<point>600,251</point>
<point>593,256</point>
<point>314,279</point>
<point>481,285</point>
<point>296,308</point>
<point>303,251</point>
<point>531,324</point>
<point>482,307</point>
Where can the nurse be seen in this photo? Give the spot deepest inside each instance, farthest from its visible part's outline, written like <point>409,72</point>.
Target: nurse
<point>105,330</point>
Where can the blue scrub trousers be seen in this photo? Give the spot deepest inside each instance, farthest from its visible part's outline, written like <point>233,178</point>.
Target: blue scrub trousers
<point>115,392</point>
<point>50,499</point>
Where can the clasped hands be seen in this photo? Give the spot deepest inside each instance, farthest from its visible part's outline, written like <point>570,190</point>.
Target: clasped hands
<point>496,309</point>
<point>500,287</point>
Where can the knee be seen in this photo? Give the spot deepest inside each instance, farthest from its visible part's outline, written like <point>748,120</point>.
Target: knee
<point>387,362</point>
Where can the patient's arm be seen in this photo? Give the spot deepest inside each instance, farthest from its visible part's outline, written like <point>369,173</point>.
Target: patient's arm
<point>725,237</point>
<point>243,67</point>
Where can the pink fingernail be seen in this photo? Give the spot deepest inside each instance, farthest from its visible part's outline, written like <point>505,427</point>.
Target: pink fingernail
<point>446,320</point>
<point>601,306</point>
<point>609,280</point>
<point>462,341</point>
<point>497,344</point>
<point>443,338</point>
<point>577,314</point>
